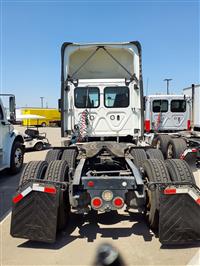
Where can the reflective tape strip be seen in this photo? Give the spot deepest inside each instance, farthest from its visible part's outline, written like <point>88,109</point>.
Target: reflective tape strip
<point>198,201</point>
<point>193,195</point>
<point>35,187</point>
<point>17,198</point>
<point>190,191</point>
<point>183,155</point>
<point>26,191</point>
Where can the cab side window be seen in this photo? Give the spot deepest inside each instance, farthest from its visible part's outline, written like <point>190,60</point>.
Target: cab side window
<point>1,113</point>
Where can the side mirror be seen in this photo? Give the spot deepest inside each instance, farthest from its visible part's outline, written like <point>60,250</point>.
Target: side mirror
<point>12,108</point>
<point>59,105</point>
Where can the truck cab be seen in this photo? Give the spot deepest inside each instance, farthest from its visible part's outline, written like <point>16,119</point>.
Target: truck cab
<point>167,113</point>
<point>11,141</point>
<point>101,91</point>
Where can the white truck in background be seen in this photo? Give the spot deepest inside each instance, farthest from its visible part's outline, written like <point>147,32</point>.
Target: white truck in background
<point>11,141</point>
<point>172,124</point>
<point>167,113</point>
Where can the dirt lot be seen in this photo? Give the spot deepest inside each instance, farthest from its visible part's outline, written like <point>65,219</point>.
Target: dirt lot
<point>77,245</point>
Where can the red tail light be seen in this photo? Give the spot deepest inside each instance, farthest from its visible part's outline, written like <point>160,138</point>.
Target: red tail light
<point>90,184</point>
<point>147,125</point>
<point>118,202</point>
<point>188,124</point>
<point>96,202</point>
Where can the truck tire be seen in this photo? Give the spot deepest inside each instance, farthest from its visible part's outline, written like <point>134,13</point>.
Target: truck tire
<point>33,170</point>
<point>58,171</point>
<point>38,146</point>
<point>161,142</point>
<point>70,155</point>
<point>179,170</point>
<point>155,154</point>
<point>16,157</point>
<point>53,155</point>
<point>139,156</point>
<point>155,171</point>
<point>175,148</point>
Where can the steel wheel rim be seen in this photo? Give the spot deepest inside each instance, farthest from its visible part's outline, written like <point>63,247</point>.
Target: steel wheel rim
<point>158,145</point>
<point>170,151</point>
<point>18,158</point>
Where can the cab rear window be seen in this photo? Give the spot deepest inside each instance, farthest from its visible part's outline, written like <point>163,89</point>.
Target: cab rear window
<point>87,97</point>
<point>160,106</point>
<point>178,106</point>
<point>116,97</point>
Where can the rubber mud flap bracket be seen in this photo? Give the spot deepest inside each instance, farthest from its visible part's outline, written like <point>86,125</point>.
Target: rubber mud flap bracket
<point>35,217</point>
<point>179,220</point>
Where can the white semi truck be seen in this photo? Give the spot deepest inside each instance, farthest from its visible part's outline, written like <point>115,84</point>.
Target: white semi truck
<point>11,141</point>
<point>172,124</point>
<point>167,113</point>
<point>105,165</point>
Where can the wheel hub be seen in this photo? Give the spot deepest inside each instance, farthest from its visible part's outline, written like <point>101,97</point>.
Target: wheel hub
<point>18,157</point>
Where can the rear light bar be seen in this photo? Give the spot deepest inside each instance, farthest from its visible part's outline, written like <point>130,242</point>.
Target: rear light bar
<point>184,190</point>
<point>35,187</point>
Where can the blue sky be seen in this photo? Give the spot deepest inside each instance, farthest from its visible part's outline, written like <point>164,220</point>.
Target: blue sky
<point>32,33</point>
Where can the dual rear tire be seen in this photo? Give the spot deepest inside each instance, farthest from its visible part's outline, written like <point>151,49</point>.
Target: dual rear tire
<point>158,171</point>
<point>171,148</point>
<point>54,171</point>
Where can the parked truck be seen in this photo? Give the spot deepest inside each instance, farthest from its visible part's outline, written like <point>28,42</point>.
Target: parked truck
<point>172,124</point>
<point>167,113</point>
<point>105,164</point>
<point>11,141</point>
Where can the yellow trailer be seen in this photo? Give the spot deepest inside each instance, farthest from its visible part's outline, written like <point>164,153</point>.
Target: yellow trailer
<point>51,116</point>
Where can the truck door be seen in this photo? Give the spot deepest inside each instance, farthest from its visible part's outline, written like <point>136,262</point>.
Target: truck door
<point>160,109</point>
<point>119,117</point>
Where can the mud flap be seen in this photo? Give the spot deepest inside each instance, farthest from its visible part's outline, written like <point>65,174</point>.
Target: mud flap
<point>179,220</point>
<point>35,217</point>
<point>191,159</point>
